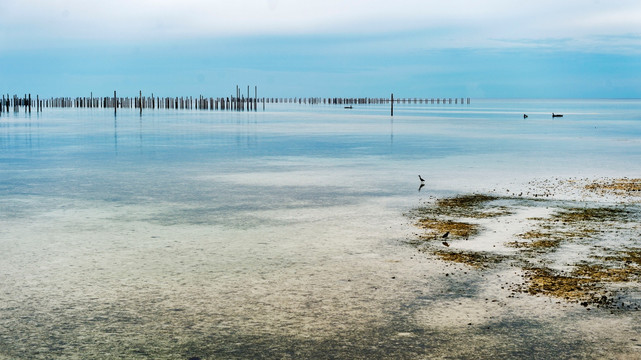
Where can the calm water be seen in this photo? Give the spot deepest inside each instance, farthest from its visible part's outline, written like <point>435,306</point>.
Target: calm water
<point>279,233</point>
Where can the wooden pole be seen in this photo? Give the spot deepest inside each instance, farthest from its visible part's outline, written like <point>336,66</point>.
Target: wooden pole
<point>140,101</point>
<point>392,106</point>
<point>115,102</point>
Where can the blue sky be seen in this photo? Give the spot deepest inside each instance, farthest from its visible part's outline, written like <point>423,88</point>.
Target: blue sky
<point>495,48</point>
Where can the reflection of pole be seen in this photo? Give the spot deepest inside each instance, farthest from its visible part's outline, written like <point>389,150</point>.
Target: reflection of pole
<point>392,106</point>
<point>115,135</point>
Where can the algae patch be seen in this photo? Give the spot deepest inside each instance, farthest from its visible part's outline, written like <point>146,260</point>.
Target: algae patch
<point>592,214</point>
<point>586,283</point>
<point>435,227</point>
<point>471,258</point>
<point>545,281</point>
<point>623,186</point>
<point>465,206</point>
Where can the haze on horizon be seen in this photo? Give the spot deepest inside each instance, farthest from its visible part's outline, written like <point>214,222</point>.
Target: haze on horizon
<point>496,48</point>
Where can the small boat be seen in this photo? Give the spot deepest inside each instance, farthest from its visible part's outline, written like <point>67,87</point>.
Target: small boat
<point>556,115</point>
<point>349,107</point>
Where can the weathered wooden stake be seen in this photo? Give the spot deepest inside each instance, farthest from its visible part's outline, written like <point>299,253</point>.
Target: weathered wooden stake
<point>392,106</point>
<point>140,101</point>
<point>115,102</point>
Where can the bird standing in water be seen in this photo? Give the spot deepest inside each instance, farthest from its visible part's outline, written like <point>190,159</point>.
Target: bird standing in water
<point>444,237</point>
<point>420,178</point>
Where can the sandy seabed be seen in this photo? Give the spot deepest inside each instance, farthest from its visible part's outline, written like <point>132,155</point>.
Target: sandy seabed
<point>96,282</point>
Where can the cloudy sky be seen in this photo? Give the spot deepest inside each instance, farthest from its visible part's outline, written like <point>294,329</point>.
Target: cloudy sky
<point>454,48</point>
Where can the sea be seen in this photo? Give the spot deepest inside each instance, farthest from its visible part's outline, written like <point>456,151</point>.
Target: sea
<point>283,233</point>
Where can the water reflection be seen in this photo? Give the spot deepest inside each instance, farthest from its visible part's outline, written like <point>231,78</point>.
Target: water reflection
<point>115,134</point>
<point>140,133</point>
<point>17,132</point>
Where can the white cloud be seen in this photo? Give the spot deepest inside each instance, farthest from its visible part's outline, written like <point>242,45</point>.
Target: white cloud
<point>448,23</point>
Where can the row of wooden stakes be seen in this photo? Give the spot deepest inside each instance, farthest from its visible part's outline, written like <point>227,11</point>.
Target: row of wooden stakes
<point>237,103</point>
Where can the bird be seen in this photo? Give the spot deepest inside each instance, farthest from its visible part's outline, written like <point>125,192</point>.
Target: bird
<point>420,178</point>
<point>420,187</point>
<point>446,244</point>
<point>525,116</point>
<point>445,235</point>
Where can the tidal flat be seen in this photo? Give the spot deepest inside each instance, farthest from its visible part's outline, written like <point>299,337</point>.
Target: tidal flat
<point>584,252</point>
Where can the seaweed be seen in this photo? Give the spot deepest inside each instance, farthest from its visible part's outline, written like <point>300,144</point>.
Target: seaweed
<point>471,258</point>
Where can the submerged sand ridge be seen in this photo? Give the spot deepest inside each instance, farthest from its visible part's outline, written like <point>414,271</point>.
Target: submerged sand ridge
<point>581,250</point>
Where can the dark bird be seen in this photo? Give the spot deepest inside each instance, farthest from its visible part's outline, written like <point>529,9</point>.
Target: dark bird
<point>525,116</point>
<point>445,235</point>
<point>420,178</point>
<point>556,115</point>
<point>446,244</point>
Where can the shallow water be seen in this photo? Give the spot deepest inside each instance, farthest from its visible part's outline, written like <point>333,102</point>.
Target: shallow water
<point>281,233</point>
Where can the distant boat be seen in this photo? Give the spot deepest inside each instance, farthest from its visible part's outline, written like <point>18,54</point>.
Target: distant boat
<point>349,107</point>
<point>556,115</point>
<point>525,116</point>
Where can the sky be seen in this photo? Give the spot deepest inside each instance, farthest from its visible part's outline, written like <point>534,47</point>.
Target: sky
<point>328,48</point>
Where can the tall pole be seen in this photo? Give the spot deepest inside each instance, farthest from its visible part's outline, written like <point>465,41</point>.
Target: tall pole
<point>140,102</point>
<point>392,106</point>
<point>115,102</point>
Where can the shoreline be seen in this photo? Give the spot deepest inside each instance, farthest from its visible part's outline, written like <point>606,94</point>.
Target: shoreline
<point>579,247</point>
